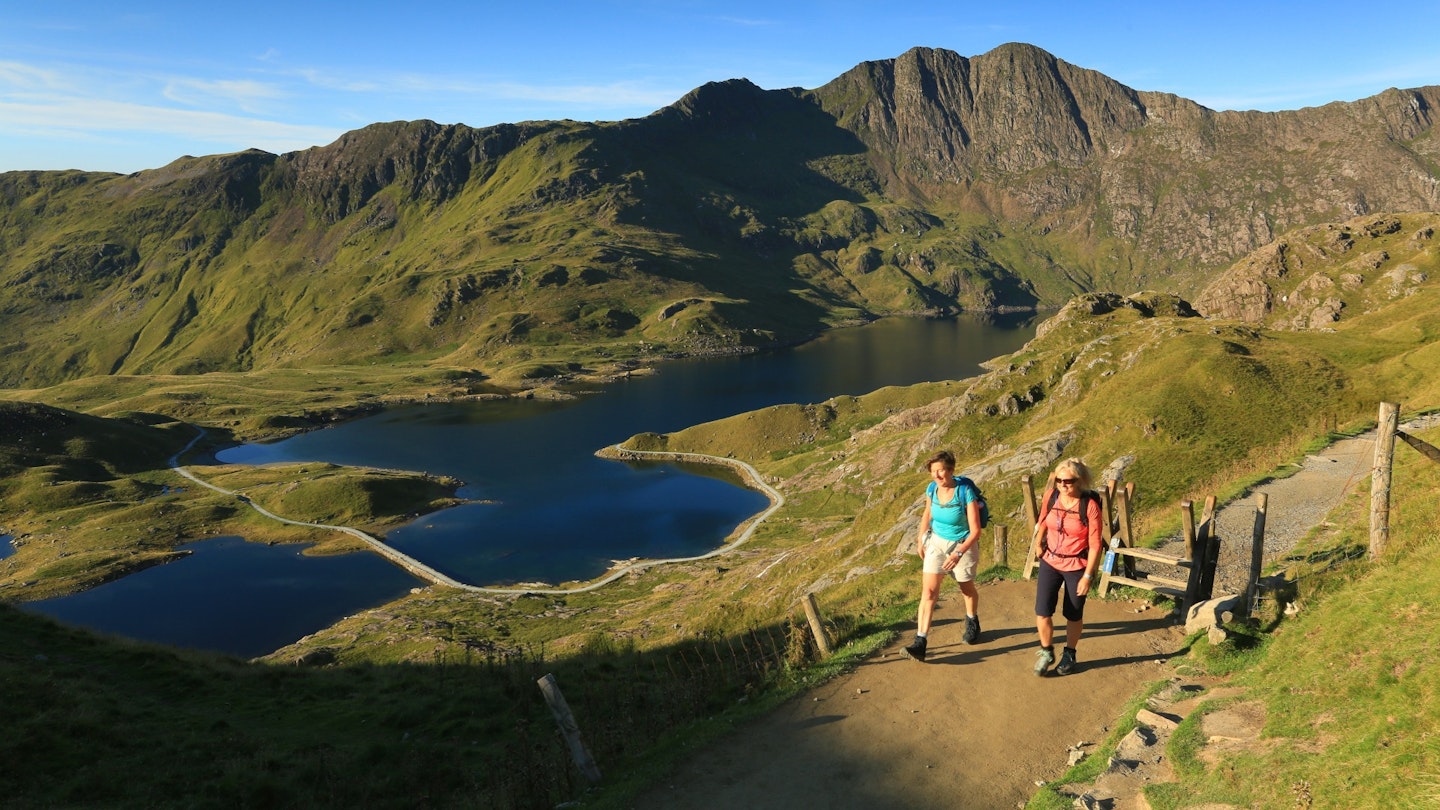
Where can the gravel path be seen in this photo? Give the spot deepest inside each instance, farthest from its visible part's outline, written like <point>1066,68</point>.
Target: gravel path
<point>1296,505</point>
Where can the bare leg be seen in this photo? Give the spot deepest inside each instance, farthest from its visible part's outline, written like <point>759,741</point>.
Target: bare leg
<point>1072,633</point>
<point>929,594</point>
<point>1046,626</point>
<point>972,598</point>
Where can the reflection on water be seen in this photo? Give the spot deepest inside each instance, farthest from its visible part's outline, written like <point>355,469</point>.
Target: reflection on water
<point>6,547</point>
<point>230,596</point>
<point>552,511</point>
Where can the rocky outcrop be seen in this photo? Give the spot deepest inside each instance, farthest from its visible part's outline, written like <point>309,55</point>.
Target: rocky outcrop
<point>1312,278</point>
<point>430,161</point>
<point>1022,132</point>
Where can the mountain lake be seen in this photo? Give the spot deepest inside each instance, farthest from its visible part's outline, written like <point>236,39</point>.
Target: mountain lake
<point>541,506</point>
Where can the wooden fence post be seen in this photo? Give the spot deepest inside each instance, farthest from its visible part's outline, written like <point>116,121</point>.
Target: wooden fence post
<point>1208,560</point>
<point>1002,546</point>
<point>812,613</point>
<point>1107,508</point>
<point>1386,426</point>
<point>1257,554</point>
<point>568,728</point>
<point>1125,538</point>
<point>1032,516</point>
<point>1204,537</point>
<point>1187,527</point>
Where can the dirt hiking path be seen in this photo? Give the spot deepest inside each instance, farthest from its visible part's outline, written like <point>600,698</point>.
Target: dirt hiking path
<point>973,727</point>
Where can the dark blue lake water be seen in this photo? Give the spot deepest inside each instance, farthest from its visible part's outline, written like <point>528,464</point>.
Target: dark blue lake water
<point>234,597</point>
<point>552,511</point>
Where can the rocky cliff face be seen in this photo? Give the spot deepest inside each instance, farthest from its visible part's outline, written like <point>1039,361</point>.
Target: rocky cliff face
<point>943,118</point>
<point>1313,277</point>
<point>1019,132</point>
<point>430,162</point>
<point>926,183</point>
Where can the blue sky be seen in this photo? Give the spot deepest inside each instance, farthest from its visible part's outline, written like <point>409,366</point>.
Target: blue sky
<point>123,86</point>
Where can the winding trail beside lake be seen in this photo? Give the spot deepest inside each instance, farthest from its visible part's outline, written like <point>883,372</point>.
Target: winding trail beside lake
<point>429,574</point>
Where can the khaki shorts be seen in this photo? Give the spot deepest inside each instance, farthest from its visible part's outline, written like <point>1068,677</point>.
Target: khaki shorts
<point>937,551</point>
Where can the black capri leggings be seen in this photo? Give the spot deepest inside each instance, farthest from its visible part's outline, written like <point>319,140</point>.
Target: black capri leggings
<point>1047,592</point>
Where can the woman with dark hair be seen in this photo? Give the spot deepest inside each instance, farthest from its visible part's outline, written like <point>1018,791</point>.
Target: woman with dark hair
<point>948,544</point>
<point>1070,551</point>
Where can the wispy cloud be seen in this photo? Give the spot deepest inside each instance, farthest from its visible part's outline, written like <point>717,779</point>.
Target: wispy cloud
<point>245,94</point>
<point>615,94</point>
<point>75,102</point>
<point>20,77</point>
<point>80,116</point>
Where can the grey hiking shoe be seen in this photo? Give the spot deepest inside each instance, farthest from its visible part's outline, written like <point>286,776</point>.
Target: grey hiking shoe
<point>972,630</point>
<point>916,650</point>
<point>1043,659</point>
<point>1067,662</point>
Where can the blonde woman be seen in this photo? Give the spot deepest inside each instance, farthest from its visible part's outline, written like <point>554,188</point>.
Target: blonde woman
<point>1070,553</point>
<point>948,544</point>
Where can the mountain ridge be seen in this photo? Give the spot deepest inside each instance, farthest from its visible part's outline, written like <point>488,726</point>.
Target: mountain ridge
<point>735,218</point>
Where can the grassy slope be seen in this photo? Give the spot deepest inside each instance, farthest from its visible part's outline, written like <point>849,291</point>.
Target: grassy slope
<point>1106,386</point>
<point>1348,686</point>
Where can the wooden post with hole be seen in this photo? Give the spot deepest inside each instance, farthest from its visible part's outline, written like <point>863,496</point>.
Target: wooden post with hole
<point>1127,531</point>
<point>817,629</point>
<point>1386,427</point>
<point>1109,540</point>
<point>1107,508</point>
<point>568,728</point>
<point>1002,546</point>
<point>1257,554</point>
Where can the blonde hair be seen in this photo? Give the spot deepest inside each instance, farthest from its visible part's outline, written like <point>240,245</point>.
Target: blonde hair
<point>1077,470</point>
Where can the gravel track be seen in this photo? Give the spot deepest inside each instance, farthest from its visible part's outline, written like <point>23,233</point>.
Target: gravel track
<point>1296,505</point>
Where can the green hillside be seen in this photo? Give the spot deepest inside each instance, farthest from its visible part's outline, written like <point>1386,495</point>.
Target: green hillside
<point>254,295</point>
<point>433,696</point>
<point>733,219</point>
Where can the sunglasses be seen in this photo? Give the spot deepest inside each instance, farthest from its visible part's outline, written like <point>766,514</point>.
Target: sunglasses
<point>1070,481</point>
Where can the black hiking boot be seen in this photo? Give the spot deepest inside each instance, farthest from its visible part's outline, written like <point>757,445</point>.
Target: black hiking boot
<point>972,630</point>
<point>1067,662</point>
<point>916,650</point>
